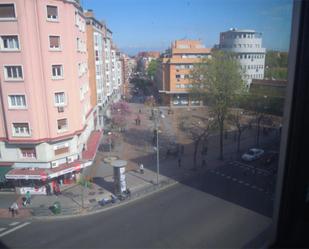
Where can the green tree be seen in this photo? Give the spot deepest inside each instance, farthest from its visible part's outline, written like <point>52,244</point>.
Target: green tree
<point>218,81</point>
<point>152,68</point>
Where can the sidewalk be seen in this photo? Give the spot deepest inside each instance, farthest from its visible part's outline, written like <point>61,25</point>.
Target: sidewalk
<point>135,146</point>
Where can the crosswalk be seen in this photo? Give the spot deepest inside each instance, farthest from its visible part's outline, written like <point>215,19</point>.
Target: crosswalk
<point>6,229</point>
<point>251,168</point>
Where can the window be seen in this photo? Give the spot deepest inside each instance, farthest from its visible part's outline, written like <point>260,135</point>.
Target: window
<point>54,42</point>
<point>21,129</point>
<point>62,124</point>
<point>13,73</point>
<point>177,76</point>
<point>7,11</point>
<point>60,99</point>
<point>57,71</point>
<point>28,152</point>
<point>17,101</point>
<point>52,13</point>
<point>61,151</point>
<point>9,42</point>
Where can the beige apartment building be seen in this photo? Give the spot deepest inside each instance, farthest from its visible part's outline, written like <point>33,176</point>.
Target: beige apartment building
<point>173,75</point>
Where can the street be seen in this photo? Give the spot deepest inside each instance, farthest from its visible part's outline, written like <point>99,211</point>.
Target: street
<point>181,216</point>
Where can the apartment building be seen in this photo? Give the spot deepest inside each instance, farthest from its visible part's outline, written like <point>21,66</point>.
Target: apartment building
<point>46,111</point>
<point>173,75</point>
<point>96,64</point>
<point>247,46</point>
<point>108,63</point>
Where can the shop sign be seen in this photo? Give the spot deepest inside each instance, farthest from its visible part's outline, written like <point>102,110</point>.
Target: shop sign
<point>33,190</point>
<point>24,177</point>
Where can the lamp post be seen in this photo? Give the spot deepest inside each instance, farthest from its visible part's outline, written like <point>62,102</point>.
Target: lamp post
<point>110,143</point>
<point>156,122</point>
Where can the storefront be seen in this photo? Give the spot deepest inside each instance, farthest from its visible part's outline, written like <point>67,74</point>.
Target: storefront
<point>36,180</point>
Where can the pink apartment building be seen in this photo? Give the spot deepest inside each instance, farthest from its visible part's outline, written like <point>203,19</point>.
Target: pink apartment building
<point>46,119</point>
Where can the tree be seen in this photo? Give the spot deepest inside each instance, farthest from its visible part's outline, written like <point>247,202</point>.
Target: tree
<point>238,119</point>
<point>152,68</point>
<point>119,112</point>
<point>219,81</point>
<point>197,129</point>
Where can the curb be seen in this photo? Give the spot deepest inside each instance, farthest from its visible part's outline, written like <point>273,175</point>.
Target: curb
<point>87,213</point>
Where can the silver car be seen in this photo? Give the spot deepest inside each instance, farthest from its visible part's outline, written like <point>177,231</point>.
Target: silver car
<point>252,154</point>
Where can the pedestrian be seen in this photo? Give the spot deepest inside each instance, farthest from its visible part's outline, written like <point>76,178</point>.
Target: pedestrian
<point>203,163</point>
<point>141,168</point>
<point>14,209</point>
<point>140,111</point>
<point>179,162</point>
<point>136,121</point>
<point>182,149</point>
<point>28,198</point>
<point>48,189</point>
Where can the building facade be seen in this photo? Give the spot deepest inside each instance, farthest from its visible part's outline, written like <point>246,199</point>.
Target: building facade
<point>247,46</point>
<point>46,112</point>
<point>174,72</point>
<point>96,64</point>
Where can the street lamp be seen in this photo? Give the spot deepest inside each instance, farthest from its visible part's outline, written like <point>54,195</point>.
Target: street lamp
<point>156,122</point>
<point>110,142</point>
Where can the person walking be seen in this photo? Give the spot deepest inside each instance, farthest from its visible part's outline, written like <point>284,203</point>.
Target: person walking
<point>14,209</point>
<point>141,168</point>
<point>28,198</point>
<point>179,162</point>
<point>203,163</point>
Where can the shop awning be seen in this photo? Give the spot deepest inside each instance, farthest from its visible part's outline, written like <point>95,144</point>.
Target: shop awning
<point>43,174</point>
<point>92,145</point>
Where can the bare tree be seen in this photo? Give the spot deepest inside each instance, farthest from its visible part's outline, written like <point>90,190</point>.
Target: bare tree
<point>197,129</point>
<point>241,123</point>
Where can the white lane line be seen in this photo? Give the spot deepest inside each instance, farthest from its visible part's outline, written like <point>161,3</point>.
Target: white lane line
<point>253,186</point>
<point>234,179</point>
<point>228,177</point>
<point>247,184</point>
<point>14,223</point>
<point>2,228</point>
<point>14,229</point>
<point>222,174</point>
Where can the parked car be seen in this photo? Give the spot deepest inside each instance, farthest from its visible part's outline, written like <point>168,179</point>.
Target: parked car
<point>184,102</point>
<point>252,154</point>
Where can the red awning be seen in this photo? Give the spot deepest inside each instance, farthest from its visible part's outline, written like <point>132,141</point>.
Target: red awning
<point>92,145</point>
<point>43,174</point>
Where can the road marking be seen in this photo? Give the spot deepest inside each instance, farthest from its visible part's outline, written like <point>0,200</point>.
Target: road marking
<point>228,177</point>
<point>234,179</point>
<point>240,182</point>
<point>2,228</point>
<point>222,174</point>
<point>247,184</point>
<point>14,229</point>
<point>14,223</point>
<point>253,186</point>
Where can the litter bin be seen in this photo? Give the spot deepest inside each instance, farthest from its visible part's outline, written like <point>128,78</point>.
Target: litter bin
<point>56,207</point>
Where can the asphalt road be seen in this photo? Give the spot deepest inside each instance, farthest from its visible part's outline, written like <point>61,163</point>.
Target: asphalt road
<point>193,214</point>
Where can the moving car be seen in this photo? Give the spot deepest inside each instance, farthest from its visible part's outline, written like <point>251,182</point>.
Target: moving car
<point>252,154</point>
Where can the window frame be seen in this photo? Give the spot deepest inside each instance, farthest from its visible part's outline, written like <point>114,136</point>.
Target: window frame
<point>12,79</point>
<point>67,125</point>
<point>51,19</point>
<point>65,99</point>
<point>23,135</point>
<point>2,49</point>
<point>62,72</point>
<point>11,107</point>
<point>9,18</point>
<point>26,157</point>
<point>51,48</point>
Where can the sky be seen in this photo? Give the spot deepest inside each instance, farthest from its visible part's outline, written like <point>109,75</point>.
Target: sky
<point>143,25</point>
